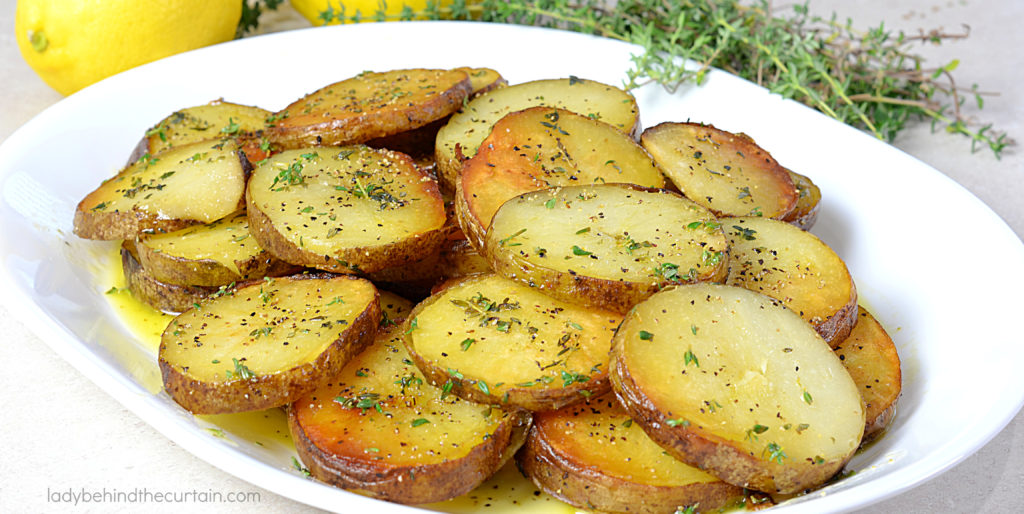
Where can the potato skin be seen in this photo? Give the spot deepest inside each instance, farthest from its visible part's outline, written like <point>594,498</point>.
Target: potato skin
<point>711,453</point>
<point>266,391</point>
<point>414,484</point>
<point>566,479</point>
<point>159,295</point>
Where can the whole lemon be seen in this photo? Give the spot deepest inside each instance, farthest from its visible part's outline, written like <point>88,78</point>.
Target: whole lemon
<point>329,12</point>
<point>73,44</point>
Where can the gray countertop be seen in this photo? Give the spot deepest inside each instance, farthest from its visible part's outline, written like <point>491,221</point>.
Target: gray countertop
<point>62,432</point>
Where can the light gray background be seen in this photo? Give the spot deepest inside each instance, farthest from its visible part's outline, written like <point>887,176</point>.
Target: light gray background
<point>58,430</point>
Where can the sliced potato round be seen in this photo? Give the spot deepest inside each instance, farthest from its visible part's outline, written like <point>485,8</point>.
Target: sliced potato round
<point>593,456</point>
<point>214,254</point>
<point>725,172</point>
<point>381,430</point>
<point>459,258</point>
<point>606,245</point>
<point>368,106</point>
<point>870,356</point>
<point>345,210</point>
<point>542,147</point>
<point>492,340</point>
<point>393,308</point>
<point>160,295</point>
<point>795,267</point>
<point>186,185</point>
<point>483,80</point>
<point>735,383</point>
<point>808,202</point>
<point>214,120</point>
<point>466,130</point>
<point>266,344</point>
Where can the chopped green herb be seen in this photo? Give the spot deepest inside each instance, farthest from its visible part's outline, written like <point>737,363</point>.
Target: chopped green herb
<point>579,251</point>
<point>646,336</point>
<point>419,421</point>
<point>505,241</point>
<point>298,467</point>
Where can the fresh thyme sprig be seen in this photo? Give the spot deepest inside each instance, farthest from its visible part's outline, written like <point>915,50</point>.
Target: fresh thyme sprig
<point>868,79</point>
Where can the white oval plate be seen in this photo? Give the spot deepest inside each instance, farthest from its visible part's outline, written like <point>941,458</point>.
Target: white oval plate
<point>913,239</point>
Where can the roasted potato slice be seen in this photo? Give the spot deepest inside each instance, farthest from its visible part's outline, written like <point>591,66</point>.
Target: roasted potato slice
<point>593,456</point>
<point>725,172</point>
<point>607,245</point>
<point>393,308</point>
<point>419,142</point>
<point>160,295</point>
<point>369,106</point>
<point>186,185</point>
<point>495,341</point>
<point>379,429</point>
<point>466,130</point>
<point>217,119</point>
<point>735,383</point>
<point>268,343</point>
<point>345,210</point>
<point>795,267</point>
<point>459,258</point>
<point>542,147</point>
<point>214,254</point>
<point>870,356</point>
<point>808,202</point>
<point>483,80</point>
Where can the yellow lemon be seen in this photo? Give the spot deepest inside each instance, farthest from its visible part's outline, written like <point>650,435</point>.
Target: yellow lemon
<point>73,44</point>
<point>320,12</point>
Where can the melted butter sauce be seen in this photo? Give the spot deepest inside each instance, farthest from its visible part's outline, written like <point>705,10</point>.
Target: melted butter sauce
<point>508,490</point>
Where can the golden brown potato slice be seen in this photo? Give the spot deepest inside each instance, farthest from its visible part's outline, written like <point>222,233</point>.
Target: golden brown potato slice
<point>217,119</point>
<point>795,267</point>
<point>380,429</point>
<point>593,456</point>
<point>268,343</point>
<point>736,384</point>
<point>607,245</point>
<point>419,142</point>
<point>808,202</point>
<point>160,295</point>
<point>722,171</point>
<point>492,340</point>
<point>215,254</point>
<point>459,258</point>
<point>466,130</point>
<point>368,106</point>
<point>186,185</point>
<point>393,308</point>
<point>542,147</point>
<point>870,356</point>
<point>345,210</point>
<point>483,80</point>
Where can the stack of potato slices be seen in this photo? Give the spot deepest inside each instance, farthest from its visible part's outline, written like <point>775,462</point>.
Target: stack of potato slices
<point>634,348</point>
